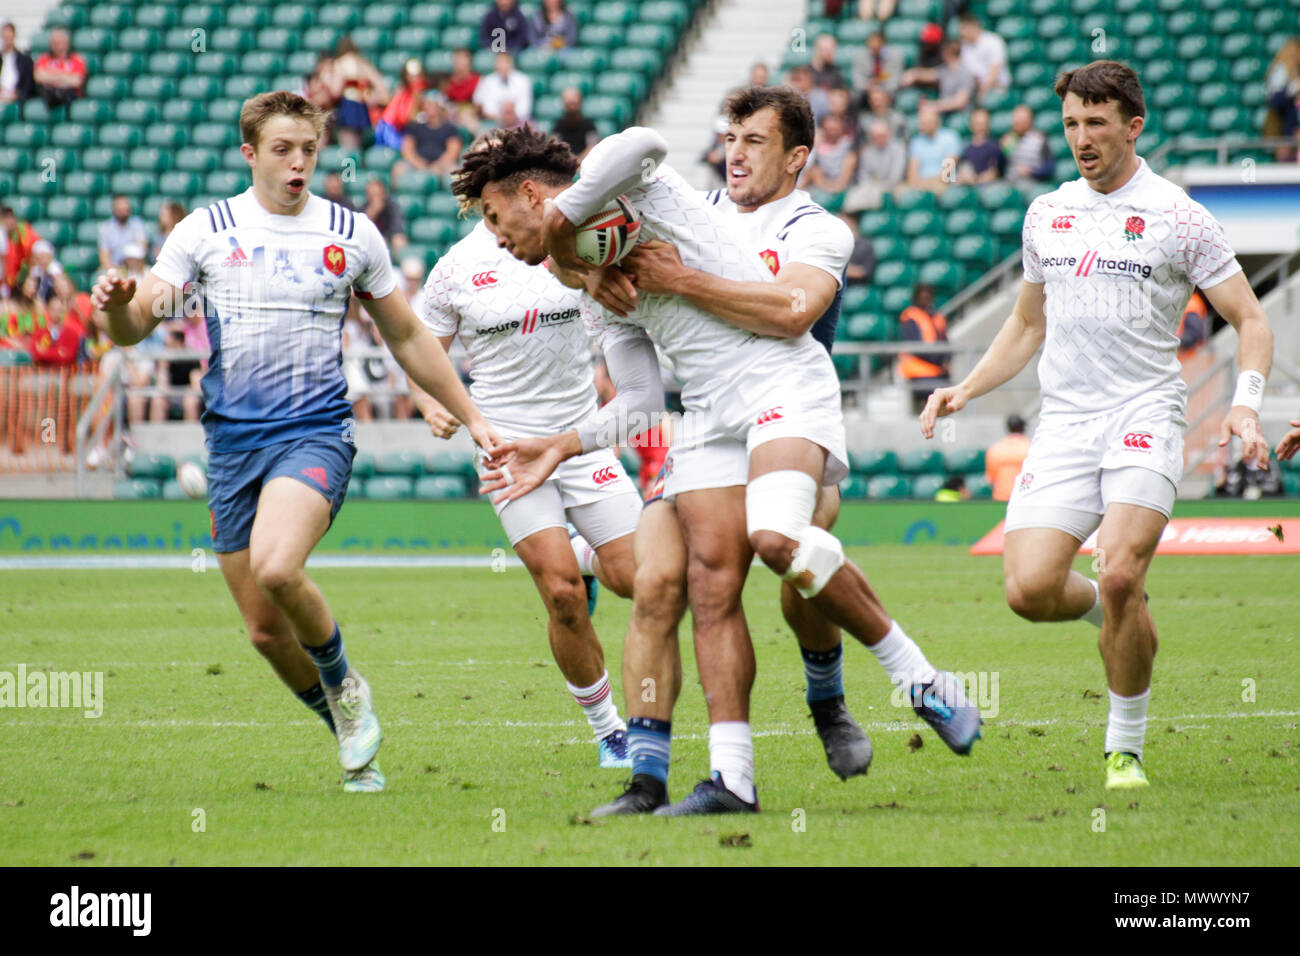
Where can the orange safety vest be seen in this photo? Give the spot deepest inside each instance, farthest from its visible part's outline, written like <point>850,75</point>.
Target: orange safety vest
<point>934,328</point>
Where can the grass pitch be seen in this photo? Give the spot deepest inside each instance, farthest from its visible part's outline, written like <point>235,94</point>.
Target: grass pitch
<point>202,757</point>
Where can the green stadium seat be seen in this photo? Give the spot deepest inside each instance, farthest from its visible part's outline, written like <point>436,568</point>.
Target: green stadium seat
<point>136,112</point>
<point>89,40</point>
<point>431,15</point>
<point>53,157</point>
<point>232,40</point>
<point>370,40</point>
<point>179,184</point>
<point>975,250</point>
<point>225,110</point>
<point>216,63</point>
<point>874,462</point>
<point>961,223</point>
<point>853,488</point>
<point>389,488</point>
<point>441,487</point>
<point>278,40</point>
<point>451,462</point>
<point>153,87</point>
<point>979,486</point>
<point>1007,223</point>
<point>869,327</point>
<point>158,16</point>
<point>431,231</point>
<point>134,183</point>
<point>186,112</point>
<point>409,463</point>
<point>31,207</point>
<point>966,461</point>
<point>920,222</point>
<point>364,465</point>
<point>214,136</point>
<point>123,63</point>
<point>27,135</point>
<point>144,465</point>
<point>199,88</point>
<point>887,487</point>
<point>356,488</point>
<point>924,487</point>
<point>57,231</point>
<point>66,16</point>
<point>889,274</point>
<point>38,184</point>
<point>469,15</point>
<point>298,17</point>
<point>226,182</point>
<point>92,112</point>
<point>247,17</point>
<point>137,488</point>
<point>110,16</point>
<point>137,40</point>
<point>107,88</point>
<point>1202,71</point>
<point>339,16</point>
<point>1213,95</point>
<point>457,36</point>
<point>384,16</point>
<point>927,246</point>
<point>1223,120</point>
<point>85,183</point>
<point>1196,46</point>
<point>261,64</point>
<point>946,277</point>
<point>920,460</point>
<point>646,62</point>
<point>241,86</point>
<point>86,233</point>
<point>35,111</point>
<point>654,36</point>
<point>615,12</point>
<point>69,208</point>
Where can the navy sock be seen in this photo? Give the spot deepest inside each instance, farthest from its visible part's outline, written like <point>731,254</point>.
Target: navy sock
<point>330,659</point>
<point>648,741</point>
<point>825,673</point>
<point>314,698</point>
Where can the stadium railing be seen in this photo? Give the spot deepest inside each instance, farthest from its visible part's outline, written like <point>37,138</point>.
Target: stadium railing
<point>39,408</point>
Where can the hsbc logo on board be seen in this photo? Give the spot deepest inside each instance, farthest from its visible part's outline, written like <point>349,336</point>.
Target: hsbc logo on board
<point>1138,441</point>
<point>604,476</point>
<point>771,415</point>
<point>482,279</point>
<point>1062,223</point>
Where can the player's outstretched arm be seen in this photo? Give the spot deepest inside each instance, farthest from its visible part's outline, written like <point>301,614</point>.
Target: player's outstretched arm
<point>133,312</point>
<point>424,359</point>
<point>786,308</point>
<point>442,423</point>
<point>1235,300</point>
<point>1012,348</point>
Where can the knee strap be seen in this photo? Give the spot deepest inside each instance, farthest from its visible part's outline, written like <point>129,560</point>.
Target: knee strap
<point>819,554</point>
<point>780,501</point>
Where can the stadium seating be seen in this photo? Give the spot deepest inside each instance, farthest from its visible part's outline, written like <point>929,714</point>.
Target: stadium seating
<point>171,77</point>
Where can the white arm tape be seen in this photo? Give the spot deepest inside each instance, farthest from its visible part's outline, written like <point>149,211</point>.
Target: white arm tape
<point>1250,390</point>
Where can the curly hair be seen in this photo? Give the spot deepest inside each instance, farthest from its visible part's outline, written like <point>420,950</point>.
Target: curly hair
<point>508,157</point>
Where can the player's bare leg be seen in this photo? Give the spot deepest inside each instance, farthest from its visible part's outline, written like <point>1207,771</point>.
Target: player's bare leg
<point>615,565</point>
<point>652,660</point>
<point>1126,543</point>
<point>268,628</point>
<point>1040,585</point>
<point>291,519</point>
<point>549,558</point>
<point>784,473</point>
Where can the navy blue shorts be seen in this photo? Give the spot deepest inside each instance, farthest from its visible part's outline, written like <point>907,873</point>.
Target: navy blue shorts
<point>235,480</point>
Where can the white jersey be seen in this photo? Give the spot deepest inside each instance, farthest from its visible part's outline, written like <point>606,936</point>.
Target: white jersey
<point>792,229</point>
<point>1118,269</point>
<point>707,353</point>
<point>523,331</point>
<point>274,290</point>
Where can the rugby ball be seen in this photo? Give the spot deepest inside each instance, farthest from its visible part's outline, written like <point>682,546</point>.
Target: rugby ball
<point>192,480</point>
<point>605,238</point>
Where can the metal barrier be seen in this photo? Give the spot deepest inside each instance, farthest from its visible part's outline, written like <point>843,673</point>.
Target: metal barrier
<point>39,408</point>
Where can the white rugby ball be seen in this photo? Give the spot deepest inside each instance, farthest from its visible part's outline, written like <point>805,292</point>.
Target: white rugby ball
<point>192,480</point>
<point>609,235</point>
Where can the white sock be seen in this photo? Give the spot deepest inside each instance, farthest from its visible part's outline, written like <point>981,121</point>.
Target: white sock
<point>585,554</point>
<point>1095,614</point>
<point>1126,727</point>
<point>902,660</point>
<point>731,753</point>
<point>598,704</point>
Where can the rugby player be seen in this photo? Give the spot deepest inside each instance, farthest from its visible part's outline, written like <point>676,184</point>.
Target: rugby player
<point>522,329</point>
<point>762,432</point>
<point>1110,261</point>
<point>273,268</point>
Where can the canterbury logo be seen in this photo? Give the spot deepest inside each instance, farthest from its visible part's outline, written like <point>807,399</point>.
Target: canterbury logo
<point>484,278</point>
<point>771,415</point>
<point>1062,223</point>
<point>604,476</point>
<point>1138,440</point>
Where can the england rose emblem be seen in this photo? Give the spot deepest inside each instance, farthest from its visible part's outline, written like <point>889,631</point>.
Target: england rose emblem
<point>1133,228</point>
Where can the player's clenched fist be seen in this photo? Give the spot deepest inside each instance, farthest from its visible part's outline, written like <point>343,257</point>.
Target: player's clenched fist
<point>111,289</point>
<point>942,401</point>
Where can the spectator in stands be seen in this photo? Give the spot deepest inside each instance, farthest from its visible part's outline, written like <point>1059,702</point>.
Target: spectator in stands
<point>801,78</point>
<point>194,327</point>
<point>825,73</point>
<point>759,75</point>
<point>357,88</point>
<point>356,338</point>
<point>920,323</point>
<point>882,164</point>
<point>19,238</point>
<point>985,54</point>
<point>932,154</point>
<point>954,489</point>
<point>17,81</point>
<point>833,162</point>
<point>982,160</point>
<point>23,315</point>
<point>1029,157</point>
<point>59,342</point>
<point>715,157</point>
<point>122,230</point>
<point>1282,92</point>
<point>432,142</point>
<point>862,261</point>
<point>404,105</point>
<point>60,74</point>
<point>502,84</point>
<point>463,80</point>
<point>505,28</point>
<point>385,214</point>
<point>169,214</point>
<point>574,128</point>
<point>334,191</point>
<point>841,107</point>
<point>44,268</point>
<point>79,304</point>
<point>877,64</point>
<point>1004,457</point>
<point>925,75</point>
<point>555,27</point>
<point>509,119</point>
<point>876,9</point>
<point>956,83</point>
<point>1193,328</point>
<point>315,86</point>
<point>178,373</point>
<point>413,276</point>
<point>880,106</point>
<point>1245,479</point>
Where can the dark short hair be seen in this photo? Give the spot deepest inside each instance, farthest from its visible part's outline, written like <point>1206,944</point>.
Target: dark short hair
<point>508,157</point>
<point>6,210</point>
<point>970,17</point>
<point>794,115</point>
<point>1015,424</point>
<point>1103,80</point>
